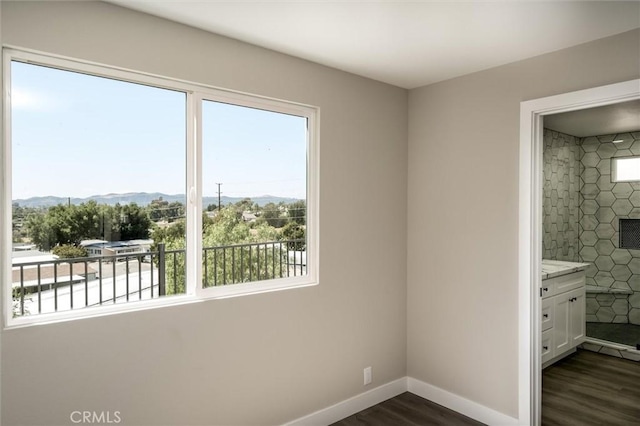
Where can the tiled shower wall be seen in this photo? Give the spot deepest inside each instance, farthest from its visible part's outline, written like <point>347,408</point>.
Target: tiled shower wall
<point>581,212</point>
<point>602,204</point>
<point>561,192</point>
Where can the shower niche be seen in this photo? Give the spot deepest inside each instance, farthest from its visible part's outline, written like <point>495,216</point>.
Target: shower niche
<point>630,234</point>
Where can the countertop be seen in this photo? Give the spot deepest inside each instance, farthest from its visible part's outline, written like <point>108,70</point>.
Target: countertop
<point>557,268</point>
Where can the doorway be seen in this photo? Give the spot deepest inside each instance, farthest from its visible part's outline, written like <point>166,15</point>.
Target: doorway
<point>532,115</point>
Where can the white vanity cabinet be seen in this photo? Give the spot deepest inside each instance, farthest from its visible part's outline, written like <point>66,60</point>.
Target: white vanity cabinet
<point>563,318</point>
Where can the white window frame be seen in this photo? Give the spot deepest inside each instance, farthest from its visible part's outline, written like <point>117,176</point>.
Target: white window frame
<point>195,95</point>
<point>614,168</point>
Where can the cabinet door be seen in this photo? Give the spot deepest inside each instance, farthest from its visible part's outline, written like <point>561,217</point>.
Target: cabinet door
<point>561,337</point>
<point>546,344</point>
<point>546,321</point>
<point>577,317</point>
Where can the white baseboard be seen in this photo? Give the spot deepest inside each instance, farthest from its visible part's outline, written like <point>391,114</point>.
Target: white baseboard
<point>360,402</point>
<point>352,405</point>
<point>457,403</point>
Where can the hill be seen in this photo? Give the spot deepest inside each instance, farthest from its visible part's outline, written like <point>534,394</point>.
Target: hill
<point>143,199</point>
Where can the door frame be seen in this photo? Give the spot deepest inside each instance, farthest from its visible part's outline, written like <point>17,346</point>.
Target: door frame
<point>532,114</point>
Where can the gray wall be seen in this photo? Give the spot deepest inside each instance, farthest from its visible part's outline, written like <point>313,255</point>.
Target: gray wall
<point>2,200</point>
<point>463,214</point>
<point>273,357</point>
<point>561,196</point>
<point>265,358</point>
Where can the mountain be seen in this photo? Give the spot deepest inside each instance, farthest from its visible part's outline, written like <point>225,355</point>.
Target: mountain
<point>144,198</point>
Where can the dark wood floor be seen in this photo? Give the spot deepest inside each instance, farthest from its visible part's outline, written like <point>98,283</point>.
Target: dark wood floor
<point>406,409</point>
<point>583,389</point>
<point>591,389</point>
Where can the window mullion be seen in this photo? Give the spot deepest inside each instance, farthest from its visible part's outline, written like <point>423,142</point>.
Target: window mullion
<point>194,194</point>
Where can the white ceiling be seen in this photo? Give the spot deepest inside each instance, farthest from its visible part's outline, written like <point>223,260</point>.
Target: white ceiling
<point>605,120</point>
<point>404,43</point>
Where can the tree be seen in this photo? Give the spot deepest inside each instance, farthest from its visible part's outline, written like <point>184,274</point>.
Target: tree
<point>174,231</point>
<point>70,224</point>
<point>175,272</point>
<point>163,210</point>
<point>66,225</point>
<point>157,209</point>
<point>175,211</point>
<point>85,222</point>
<point>228,256</point>
<point>68,251</point>
<point>19,215</point>
<point>298,212</point>
<point>206,222</point>
<point>243,262</point>
<point>244,205</point>
<point>272,215</point>
<point>40,231</point>
<point>293,231</point>
<point>134,223</point>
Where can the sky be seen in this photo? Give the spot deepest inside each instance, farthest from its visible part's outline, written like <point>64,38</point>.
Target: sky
<point>75,135</point>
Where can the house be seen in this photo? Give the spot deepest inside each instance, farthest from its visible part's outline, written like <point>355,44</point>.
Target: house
<point>249,217</point>
<point>424,291</point>
<point>45,276</point>
<point>97,248</point>
<point>31,267</point>
<point>23,247</point>
<point>93,247</point>
<point>29,253</point>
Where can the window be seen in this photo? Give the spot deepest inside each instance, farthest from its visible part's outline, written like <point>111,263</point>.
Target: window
<point>249,152</point>
<point>625,169</point>
<point>127,189</point>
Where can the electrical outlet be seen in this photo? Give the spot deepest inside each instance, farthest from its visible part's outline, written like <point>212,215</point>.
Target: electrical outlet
<point>367,375</point>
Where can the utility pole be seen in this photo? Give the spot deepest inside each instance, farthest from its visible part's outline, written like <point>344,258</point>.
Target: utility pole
<point>219,206</point>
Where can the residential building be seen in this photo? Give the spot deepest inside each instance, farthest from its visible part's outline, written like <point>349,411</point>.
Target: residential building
<point>249,217</point>
<point>96,248</point>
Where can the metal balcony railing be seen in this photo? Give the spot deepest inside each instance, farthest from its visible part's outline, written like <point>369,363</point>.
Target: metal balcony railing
<point>67,284</point>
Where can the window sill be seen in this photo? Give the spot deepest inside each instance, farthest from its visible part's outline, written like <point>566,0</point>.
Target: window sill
<point>213,293</point>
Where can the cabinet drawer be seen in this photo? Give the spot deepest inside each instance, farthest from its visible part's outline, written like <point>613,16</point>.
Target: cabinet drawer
<point>547,289</point>
<point>546,346</point>
<point>546,319</point>
<point>568,282</point>
<point>562,284</point>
